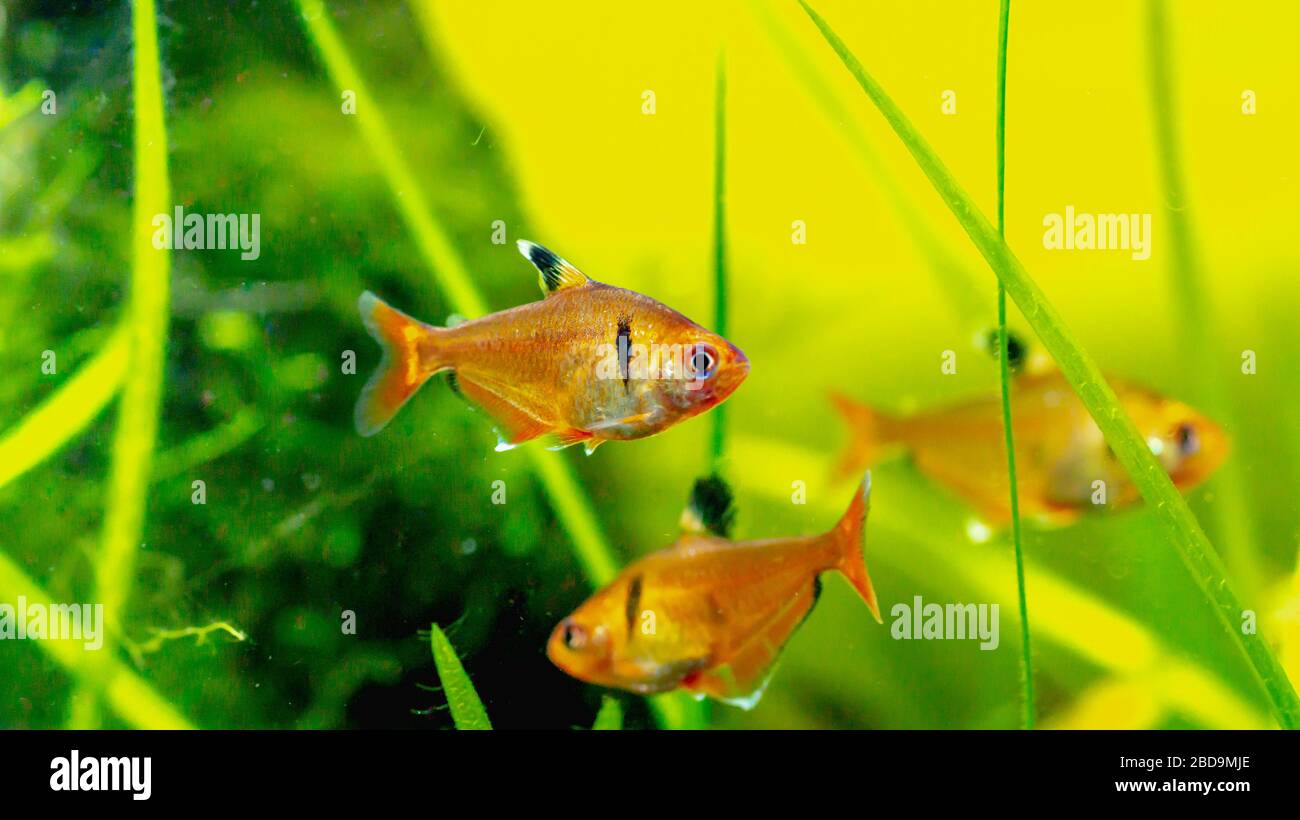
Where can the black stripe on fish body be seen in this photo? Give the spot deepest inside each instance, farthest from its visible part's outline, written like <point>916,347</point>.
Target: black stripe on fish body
<point>633,606</point>
<point>624,341</point>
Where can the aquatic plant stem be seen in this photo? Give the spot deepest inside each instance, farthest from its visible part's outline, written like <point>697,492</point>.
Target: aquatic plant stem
<point>719,244</point>
<point>568,500</point>
<point>1004,368</point>
<point>44,430</point>
<point>147,314</point>
<point>147,317</point>
<point>1164,500</point>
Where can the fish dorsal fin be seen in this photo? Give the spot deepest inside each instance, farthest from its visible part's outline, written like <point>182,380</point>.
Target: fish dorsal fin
<point>709,509</point>
<point>556,273</point>
<point>1024,360</point>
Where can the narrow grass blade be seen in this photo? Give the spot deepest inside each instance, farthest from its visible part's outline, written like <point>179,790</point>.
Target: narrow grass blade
<point>146,321</point>
<point>98,672</point>
<point>570,502</point>
<point>67,412</point>
<point>466,709</point>
<point>1097,396</point>
<point>1026,651</point>
<point>610,715</point>
<point>718,442</point>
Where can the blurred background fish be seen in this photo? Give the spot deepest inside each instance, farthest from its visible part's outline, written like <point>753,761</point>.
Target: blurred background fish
<point>1063,465</point>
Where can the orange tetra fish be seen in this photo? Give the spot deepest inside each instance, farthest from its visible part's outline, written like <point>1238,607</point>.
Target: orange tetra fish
<point>1060,452</point>
<point>707,614</point>
<point>589,363</point>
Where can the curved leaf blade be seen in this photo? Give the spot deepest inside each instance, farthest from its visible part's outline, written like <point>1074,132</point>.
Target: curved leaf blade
<point>466,709</point>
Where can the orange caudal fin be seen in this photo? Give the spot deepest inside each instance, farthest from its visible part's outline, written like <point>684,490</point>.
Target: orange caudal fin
<point>849,536</point>
<point>869,432</point>
<point>404,368</point>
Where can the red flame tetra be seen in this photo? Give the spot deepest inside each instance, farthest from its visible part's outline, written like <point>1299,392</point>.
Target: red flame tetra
<point>589,363</point>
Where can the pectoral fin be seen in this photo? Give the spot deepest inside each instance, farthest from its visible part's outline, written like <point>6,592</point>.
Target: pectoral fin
<point>741,679</point>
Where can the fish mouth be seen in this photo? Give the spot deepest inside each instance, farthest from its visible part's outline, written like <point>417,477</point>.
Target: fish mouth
<point>735,372</point>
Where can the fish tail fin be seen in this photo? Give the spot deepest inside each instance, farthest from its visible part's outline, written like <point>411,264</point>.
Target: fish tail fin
<point>849,536</point>
<point>869,431</point>
<point>404,368</point>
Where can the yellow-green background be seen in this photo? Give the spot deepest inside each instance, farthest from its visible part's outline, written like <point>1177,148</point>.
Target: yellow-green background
<point>532,114</point>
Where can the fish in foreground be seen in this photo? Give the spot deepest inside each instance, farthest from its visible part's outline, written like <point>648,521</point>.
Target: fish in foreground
<point>589,363</point>
<point>707,614</point>
<point>1060,452</point>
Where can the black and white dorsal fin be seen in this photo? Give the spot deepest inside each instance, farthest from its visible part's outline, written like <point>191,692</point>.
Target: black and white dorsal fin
<point>556,273</point>
<point>709,509</point>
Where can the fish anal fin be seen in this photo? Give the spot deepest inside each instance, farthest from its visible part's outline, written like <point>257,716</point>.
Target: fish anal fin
<point>559,439</point>
<point>555,273</point>
<point>740,679</point>
<point>514,423</point>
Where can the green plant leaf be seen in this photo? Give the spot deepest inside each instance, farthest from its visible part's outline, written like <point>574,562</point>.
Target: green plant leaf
<point>610,715</point>
<point>718,439</point>
<point>466,709</point>
<point>1193,547</point>
<point>66,413</point>
<point>147,315</point>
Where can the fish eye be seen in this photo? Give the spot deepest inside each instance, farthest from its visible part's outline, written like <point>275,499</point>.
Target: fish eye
<point>1188,442</point>
<point>574,636</point>
<point>703,361</point>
